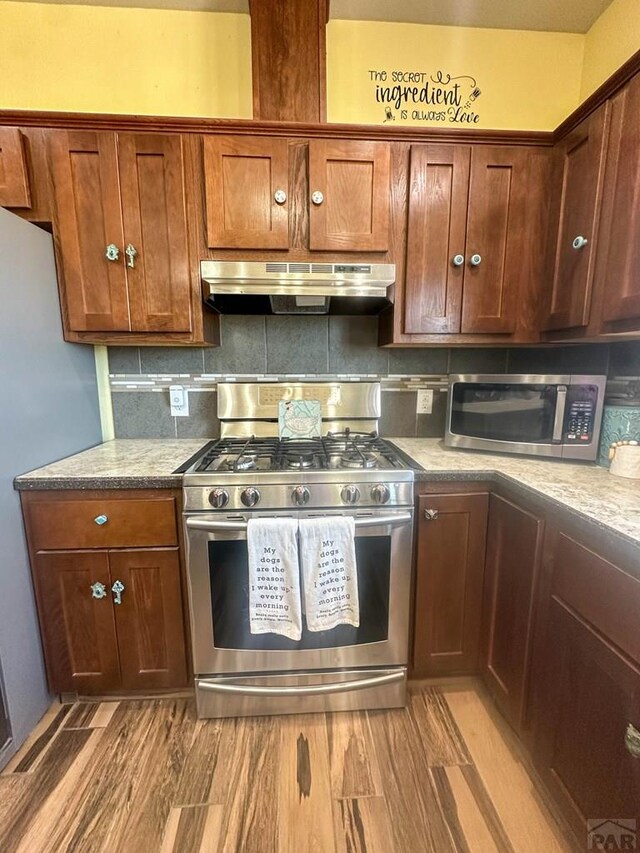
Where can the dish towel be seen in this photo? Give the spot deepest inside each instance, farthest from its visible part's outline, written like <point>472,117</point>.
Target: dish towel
<point>274,577</point>
<point>329,572</point>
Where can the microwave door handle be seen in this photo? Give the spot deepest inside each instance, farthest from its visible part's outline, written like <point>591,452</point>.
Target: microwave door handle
<point>368,521</point>
<point>561,405</point>
<point>306,690</point>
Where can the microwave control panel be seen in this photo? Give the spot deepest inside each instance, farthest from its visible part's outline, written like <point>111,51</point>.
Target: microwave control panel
<point>579,414</point>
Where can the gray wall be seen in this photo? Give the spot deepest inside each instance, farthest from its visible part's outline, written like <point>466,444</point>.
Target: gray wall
<point>322,346</point>
<point>49,410</point>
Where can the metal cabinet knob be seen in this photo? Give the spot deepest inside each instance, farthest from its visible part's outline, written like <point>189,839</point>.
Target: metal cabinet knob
<point>317,197</point>
<point>112,252</point>
<point>101,519</point>
<point>457,260</point>
<point>98,590</point>
<point>475,260</point>
<point>131,252</point>
<point>632,740</point>
<point>431,514</point>
<point>280,196</point>
<point>579,242</point>
<point>300,495</point>
<point>117,589</point>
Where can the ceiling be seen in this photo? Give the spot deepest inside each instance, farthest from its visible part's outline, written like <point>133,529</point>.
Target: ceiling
<point>571,16</point>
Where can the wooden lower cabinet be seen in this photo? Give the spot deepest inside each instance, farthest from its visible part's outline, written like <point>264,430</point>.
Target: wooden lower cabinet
<point>586,705</point>
<point>514,550</point>
<point>449,575</point>
<point>96,640</point>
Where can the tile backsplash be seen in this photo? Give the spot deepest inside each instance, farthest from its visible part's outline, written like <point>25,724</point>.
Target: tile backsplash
<point>290,346</point>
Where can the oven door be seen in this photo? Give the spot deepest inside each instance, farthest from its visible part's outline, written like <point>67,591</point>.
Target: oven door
<point>219,599</point>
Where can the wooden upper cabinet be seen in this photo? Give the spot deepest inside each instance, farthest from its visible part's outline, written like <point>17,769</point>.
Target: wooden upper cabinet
<point>501,224</point>
<point>76,620</point>
<point>514,553</point>
<point>14,176</point>
<point>349,195</point>
<point>437,225</point>
<point>576,191</point>
<point>449,576</point>
<point>149,618</point>
<point>618,250</point>
<point>88,222</point>
<point>155,232</point>
<point>247,192</point>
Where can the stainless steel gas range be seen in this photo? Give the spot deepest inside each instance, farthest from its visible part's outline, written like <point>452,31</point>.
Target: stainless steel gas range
<point>250,472</point>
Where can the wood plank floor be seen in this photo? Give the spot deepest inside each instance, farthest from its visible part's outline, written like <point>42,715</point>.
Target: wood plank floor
<point>145,775</point>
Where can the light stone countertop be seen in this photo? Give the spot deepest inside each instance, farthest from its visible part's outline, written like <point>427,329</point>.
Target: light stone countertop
<point>125,463</point>
<point>584,490</point>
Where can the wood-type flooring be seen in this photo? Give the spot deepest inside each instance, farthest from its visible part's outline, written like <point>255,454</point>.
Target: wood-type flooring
<point>140,776</point>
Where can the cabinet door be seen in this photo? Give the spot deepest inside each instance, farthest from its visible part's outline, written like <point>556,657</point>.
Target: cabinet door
<point>244,180</point>
<point>450,566</point>
<point>78,629</point>
<point>514,551</point>
<point>576,189</point>
<point>155,228</point>
<point>88,219</point>
<point>590,698</point>
<point>149,618</point>
<point>438,195</point>
<point>350,183</point>
<point>501,214</point>
<point>618,247</point>
<point>14,178</point>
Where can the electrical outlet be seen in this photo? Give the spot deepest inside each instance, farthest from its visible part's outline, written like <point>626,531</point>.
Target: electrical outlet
<point>179,400</point>
<point>425,401</point>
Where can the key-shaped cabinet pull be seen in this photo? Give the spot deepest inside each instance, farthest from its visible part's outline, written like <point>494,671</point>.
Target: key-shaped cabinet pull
<point>98,590</point>
<point>632,740</point>
<point>132,253</point>
<point>117,589</point>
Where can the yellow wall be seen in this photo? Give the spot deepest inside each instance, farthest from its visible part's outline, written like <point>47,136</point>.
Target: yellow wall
<point>123,60</point>
<point>528,80</point>
<point>612,39</point>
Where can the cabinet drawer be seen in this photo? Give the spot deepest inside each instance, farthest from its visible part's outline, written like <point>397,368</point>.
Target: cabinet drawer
<point>68,524</point>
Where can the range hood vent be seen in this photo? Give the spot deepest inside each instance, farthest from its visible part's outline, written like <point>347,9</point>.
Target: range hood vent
<point>274,287</point>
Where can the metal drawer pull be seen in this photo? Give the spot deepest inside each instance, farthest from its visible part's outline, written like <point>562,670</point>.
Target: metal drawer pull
<point>132,253</point>
<point>580,242</point>
<point>101,519</point>
<point>307,690</point>
<point>317,197</point>
<point>431,514</point>
<point>457,260</point>
<point>632,740</point>
<point>369,521</point>
<point>112,252</point>
<point>475,260</point>
<point>117,589</point>
<point>280,196</point>
<point>98,590</point>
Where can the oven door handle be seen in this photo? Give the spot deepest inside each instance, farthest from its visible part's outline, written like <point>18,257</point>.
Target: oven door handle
<point>307,690</point>
<point>368,521</point>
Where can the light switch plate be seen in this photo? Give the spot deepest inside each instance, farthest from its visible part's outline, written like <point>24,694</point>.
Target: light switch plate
<point>179,400</point>
<point>424,405</point>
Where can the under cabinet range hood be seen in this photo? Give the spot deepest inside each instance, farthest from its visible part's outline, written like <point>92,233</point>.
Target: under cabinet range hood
<point>275,287</point>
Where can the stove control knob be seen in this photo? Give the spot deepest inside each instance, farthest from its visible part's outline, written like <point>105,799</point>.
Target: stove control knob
<point>300,495</point>
<point>350,494</point>
<point>250,496</point>
<point>219,498</point>
<point>380,494</point>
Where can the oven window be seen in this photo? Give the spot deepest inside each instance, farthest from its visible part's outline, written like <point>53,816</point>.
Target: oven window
<point>229,574</point>
<point>501,412</point>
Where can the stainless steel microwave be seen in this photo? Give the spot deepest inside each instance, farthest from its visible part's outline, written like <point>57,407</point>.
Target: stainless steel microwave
<point>540,415</point>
